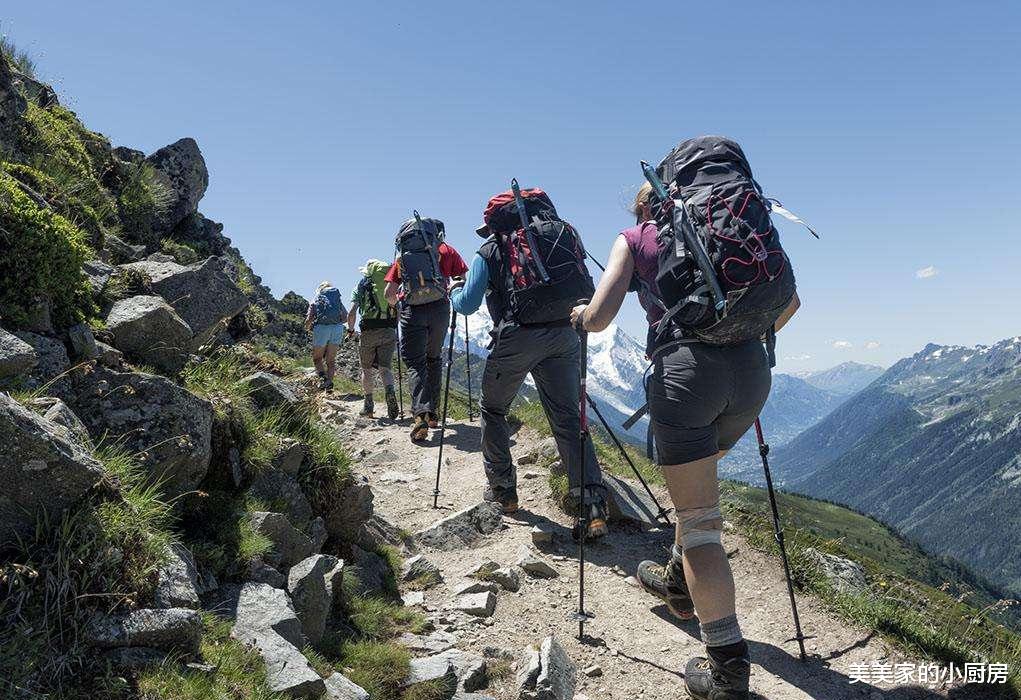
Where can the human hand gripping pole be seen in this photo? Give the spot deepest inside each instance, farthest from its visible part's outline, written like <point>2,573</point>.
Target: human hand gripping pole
<point>446,403</point>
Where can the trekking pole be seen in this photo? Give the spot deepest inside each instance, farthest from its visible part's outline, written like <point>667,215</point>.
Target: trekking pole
<point>778,535</point>
<point>400,373</point>
<point>468,367</point>
<point>663,513</point>
<point>582,616</point>
<point>446,401</point>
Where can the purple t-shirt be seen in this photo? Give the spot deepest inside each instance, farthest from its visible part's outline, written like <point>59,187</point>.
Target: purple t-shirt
<point>641,241</point>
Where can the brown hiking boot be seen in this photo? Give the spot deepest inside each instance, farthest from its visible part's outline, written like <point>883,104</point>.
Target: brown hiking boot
<point>420,429</point>
<point>709,679</point>
<point>367,407</point>
<point>667,583</point>
<point>433,421</point>
<point>510,506</point>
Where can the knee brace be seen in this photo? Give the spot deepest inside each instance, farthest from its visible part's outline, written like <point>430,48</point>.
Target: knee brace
<point>701,526</point>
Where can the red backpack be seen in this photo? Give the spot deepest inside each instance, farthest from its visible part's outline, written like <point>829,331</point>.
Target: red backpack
<point>544,262</point>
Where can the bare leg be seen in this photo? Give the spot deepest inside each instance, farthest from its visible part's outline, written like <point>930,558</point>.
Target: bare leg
<point>693,486</point>
<point>317,359</point>
<point>331,361</point>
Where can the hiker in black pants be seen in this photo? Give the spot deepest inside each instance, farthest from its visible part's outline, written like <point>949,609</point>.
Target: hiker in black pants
<point>702,398</point>
<point>424,313</point>
<point>549,351</point>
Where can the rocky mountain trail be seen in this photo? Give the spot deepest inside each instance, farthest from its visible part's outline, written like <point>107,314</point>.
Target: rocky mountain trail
<point>493,583</point>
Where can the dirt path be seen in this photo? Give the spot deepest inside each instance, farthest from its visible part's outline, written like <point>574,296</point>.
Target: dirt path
<point>638,646</point>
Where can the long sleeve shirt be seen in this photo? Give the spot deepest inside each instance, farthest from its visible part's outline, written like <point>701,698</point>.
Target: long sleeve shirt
<point>468,298</point>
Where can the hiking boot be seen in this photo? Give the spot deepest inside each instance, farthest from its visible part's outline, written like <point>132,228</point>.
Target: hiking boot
<point>597,526</point>
<point>710,679</point>
<point>510,505</point>
<point>434,422</point>
<point>391,403</point>
<point>420,428</point>
<point>367,407</point>
<point>667,583</point>
<point>326,384</point>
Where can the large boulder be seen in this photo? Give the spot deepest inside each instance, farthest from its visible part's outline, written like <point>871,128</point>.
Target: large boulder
<point>311,583</point>
<point>284,491</point>
<point>52,361</point>
<point>175,629</point>
<point>463,528</point>
<point>16,356</point>
<point>844,575</point>
<point>261,607</point>
<point>98,273</point>
<point>338,687</point>
<point>58,413</point>
<point>196,228</point>
<point>177,580</point>
<point>290,545</point>
<point>165,426</point>
<point>202,294</point>
<point>149,331</point>
<point>548,674</point>
<point>348,513</point>
<point>181,169</point>
<point>269,391</point>
<point>287,670</point>
<point>41,469</point>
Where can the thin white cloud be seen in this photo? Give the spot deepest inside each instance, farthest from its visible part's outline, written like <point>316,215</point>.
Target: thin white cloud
<point>842,345</point>
<point>797,358</point>
<point>926,272</point>
<point>872,345</point>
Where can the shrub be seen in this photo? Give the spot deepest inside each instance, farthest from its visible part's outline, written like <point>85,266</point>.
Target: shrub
<point>239,671</point>
<point>183,253</point>
<point>42,259</point>
<point>141,201</point>
<point>19,58</point>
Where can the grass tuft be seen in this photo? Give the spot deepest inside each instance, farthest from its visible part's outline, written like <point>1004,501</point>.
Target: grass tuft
<point>239,672</point>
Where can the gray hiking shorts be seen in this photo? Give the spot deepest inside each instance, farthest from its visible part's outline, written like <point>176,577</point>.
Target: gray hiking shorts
<point>703,398</point>
<point>376,347</point>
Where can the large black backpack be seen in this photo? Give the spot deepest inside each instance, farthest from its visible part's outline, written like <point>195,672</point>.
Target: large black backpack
<point>418,242</point>
<point>730,216</point>
<point>544,271</point>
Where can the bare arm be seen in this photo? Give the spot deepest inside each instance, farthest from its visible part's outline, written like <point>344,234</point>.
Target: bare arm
<point>352,316</point>
<point>789,312</point>
<point>612,289</point>
<point>391,292</point>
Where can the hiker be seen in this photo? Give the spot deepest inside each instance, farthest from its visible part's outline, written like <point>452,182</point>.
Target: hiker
<point>325,318</point>
<point>532,334</point>
<point>702,398</point>
<point>377,334</point>
<point>417,285</point>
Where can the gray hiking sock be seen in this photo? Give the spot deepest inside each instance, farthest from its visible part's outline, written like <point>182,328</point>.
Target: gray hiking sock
<point>721,632</point>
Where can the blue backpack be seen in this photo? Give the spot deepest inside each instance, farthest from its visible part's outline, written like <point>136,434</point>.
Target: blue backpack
<point>329,307</point>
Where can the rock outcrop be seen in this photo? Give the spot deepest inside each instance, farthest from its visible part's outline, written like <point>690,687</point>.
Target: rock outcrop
<point>181,170</point>
<point>202,294</point>
<point>166,427</point>
<point>16,356</point>
<point>42,470</point>
<point>148,330</point>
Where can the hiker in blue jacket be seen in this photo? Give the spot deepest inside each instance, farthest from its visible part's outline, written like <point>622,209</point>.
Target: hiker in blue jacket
<point>550,353</point>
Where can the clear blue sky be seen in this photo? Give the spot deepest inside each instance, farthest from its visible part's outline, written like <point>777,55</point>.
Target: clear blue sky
<point>893,127</point>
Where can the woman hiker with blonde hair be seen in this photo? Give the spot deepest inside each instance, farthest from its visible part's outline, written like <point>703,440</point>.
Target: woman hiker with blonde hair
<point>325,318</point>
<point>702,398</point>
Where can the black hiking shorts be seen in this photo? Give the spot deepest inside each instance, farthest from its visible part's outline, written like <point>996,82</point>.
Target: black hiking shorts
<point>703,398</point>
